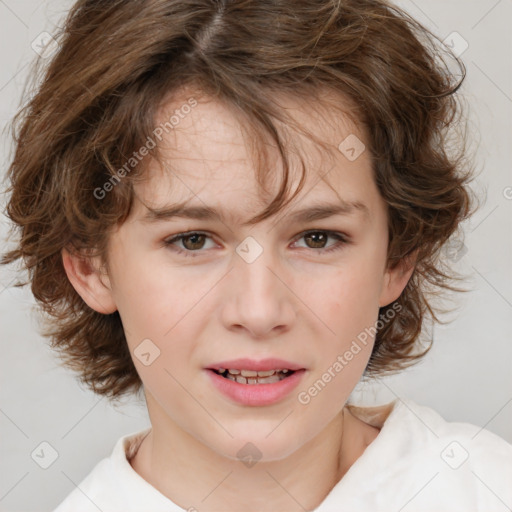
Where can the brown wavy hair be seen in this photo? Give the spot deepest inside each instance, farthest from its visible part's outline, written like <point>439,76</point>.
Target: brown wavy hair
<point>117,62</point>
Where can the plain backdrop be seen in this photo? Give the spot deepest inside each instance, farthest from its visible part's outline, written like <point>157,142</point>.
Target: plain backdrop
<point>466,377</point>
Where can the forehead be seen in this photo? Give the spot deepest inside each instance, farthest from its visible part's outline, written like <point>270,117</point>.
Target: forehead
<point>206,157</point>
<point>212,125</point>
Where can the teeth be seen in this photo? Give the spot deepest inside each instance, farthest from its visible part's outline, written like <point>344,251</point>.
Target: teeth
<point>248,373</point>
<point>253,377</point>
<point>252,373</point>
<point>267,373</point>
<point>253,380</point>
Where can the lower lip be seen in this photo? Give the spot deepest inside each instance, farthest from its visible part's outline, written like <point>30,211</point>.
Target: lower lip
<point>256,394</point>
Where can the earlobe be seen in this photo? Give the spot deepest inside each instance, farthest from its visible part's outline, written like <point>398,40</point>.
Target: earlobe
<point>396,279</point>
<point>84,275</point>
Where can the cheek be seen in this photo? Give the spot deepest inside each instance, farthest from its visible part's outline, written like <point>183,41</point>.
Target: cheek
<point>167,306</point>
<point>347,305</point>
<point>349,301</point>
<point>152,297</point>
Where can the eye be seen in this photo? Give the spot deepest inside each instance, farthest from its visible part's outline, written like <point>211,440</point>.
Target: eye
<point>316,240</point>
<point>192,242</point>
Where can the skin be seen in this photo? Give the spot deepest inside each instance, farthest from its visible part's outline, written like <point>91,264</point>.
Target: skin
<point>292,302</point>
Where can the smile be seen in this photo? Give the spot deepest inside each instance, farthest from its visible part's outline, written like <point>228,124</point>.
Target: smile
<point>252,377</point>
<point>255,390</point>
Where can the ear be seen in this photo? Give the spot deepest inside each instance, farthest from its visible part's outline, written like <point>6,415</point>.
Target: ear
<point>89,282</point>
<point>396,279</point>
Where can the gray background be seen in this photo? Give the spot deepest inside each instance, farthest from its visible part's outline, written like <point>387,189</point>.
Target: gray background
<point>466,377</point>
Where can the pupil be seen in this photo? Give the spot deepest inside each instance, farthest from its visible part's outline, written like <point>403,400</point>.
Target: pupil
<point>316,235</point>
<point>194,244</point>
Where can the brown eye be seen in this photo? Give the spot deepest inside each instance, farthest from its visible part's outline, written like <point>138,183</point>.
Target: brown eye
<point>316,239</point>
<point>194,241</point>
<point>189,243</point>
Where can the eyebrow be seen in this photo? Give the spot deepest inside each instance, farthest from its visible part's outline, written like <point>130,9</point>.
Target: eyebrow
<point>311,213</point>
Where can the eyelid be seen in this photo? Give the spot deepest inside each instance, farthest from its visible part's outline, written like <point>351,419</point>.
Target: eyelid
<point>343,239</point>
<point>330,232</point>
<point>169,241</point>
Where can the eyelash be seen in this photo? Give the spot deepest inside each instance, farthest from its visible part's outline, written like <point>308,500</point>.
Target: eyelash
<point>342,241</point>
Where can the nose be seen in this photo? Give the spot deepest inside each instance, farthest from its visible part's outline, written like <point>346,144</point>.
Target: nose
<point>259,299</point>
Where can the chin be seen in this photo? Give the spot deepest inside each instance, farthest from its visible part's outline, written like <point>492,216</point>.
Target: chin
<point>257,448</point>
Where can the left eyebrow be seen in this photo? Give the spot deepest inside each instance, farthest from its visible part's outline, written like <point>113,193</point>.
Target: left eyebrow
<point>311,213</point>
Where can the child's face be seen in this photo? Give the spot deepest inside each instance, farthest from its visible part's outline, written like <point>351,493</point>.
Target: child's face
<point>292,302</point>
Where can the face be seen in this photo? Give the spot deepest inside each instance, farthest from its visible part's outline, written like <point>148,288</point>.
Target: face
<point>290,288</point>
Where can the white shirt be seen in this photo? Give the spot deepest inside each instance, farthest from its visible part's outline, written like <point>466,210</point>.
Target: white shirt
<point>418,462</point>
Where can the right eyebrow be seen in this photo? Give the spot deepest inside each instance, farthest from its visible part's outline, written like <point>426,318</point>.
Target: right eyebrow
<point>311,213</point>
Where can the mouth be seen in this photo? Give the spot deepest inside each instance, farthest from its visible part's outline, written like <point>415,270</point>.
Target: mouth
<point>263,383</point>
<point>252,377</point>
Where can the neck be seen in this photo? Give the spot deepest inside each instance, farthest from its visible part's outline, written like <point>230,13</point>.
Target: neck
<point>192,475</point>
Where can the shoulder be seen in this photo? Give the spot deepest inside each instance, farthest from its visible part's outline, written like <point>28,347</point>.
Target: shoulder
<point>91,491</point>
<point>114,486</point>
<point>473,461</point>
<point>421,459</point>
<point>460,443</point>
<point>418,426</point>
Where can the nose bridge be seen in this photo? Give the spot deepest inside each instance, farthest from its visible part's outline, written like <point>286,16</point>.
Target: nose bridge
<point>256,267</point>
<point>260,301</point>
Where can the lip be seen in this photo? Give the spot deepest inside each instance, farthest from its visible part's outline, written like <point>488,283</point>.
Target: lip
<point>262,365</point>
<point>256,394</point>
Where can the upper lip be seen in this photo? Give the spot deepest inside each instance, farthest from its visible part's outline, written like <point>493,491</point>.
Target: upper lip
<point>257,366</point>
